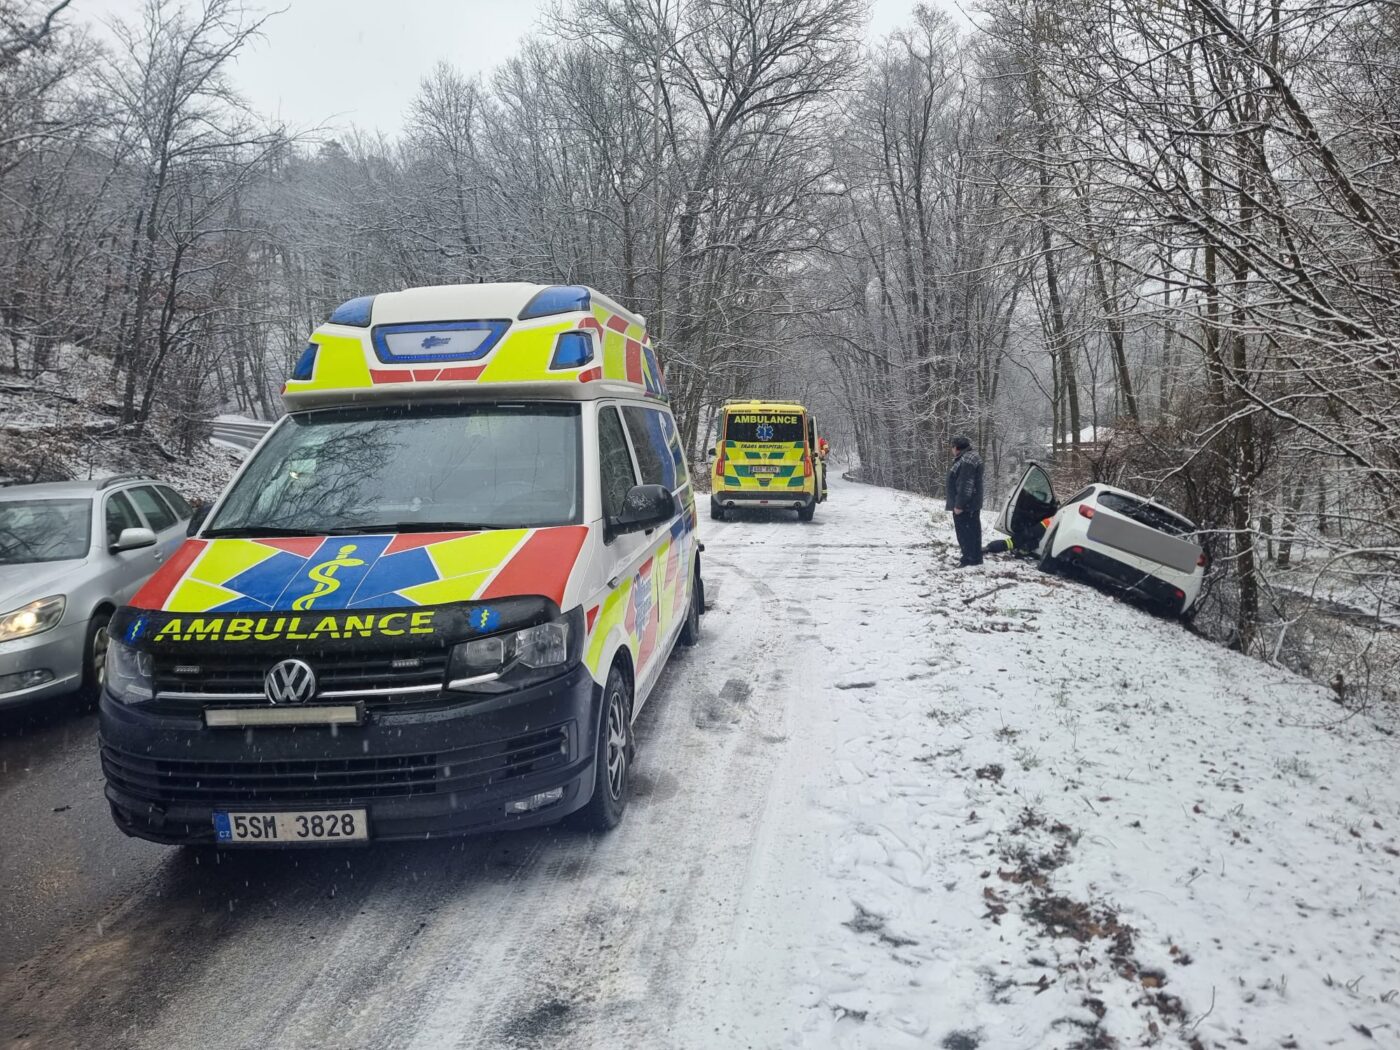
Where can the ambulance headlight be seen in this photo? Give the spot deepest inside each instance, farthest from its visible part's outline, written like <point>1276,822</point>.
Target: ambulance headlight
<point>512,660</point>
<point>129,673</point>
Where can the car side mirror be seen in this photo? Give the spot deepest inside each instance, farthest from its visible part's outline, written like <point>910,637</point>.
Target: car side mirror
<point>712,452</point>
<point>134,540</point>
<point>644,508</point>
<point>197,519</point>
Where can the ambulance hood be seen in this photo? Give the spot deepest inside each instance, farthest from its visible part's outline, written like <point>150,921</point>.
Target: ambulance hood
<point>312,574</point>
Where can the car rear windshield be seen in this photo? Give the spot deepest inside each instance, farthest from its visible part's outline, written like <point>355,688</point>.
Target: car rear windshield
<point>785,427</point>
<point>1155,517</point>
<point>397,468</point>
<point>44,530</point>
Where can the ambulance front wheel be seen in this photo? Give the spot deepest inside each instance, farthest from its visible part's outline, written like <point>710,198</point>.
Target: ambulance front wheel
<point>806,513</point>
<point>612,772</point>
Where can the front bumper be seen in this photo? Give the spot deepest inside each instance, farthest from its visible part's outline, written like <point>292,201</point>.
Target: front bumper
<point>1114,572</point>
<point>58,651</point>
<point>423,774</point>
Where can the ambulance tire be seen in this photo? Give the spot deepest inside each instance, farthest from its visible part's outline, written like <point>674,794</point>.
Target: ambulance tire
<point>717,512</point>
<point>808,512</point>
<point>690,630</point>
<point>612,765</point>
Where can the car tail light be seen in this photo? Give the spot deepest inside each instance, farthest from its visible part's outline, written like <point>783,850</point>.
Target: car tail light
<point>806,464</point>
<point>1201,559</point>
<point>1076,550</point>
<point>1180,594</point>
<point>719,461</point>
<point>1086,511</point>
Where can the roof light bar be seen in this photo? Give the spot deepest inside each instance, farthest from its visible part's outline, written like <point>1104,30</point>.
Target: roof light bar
<point>423,342</point>
<point>354,312</point>
<point>557,299</point>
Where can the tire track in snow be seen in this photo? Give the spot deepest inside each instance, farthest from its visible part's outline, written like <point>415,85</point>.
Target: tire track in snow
<point>623,948</point>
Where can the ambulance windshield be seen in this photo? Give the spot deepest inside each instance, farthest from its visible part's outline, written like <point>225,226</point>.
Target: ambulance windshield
<point>410,468</point>
<point>782,427</point>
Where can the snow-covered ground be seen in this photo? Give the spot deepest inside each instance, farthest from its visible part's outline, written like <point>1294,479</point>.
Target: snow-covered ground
<point>65,424</point>
<point>885,804</point>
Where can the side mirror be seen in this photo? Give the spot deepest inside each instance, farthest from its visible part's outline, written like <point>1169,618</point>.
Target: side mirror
<point>197,519</point>
<point>712,452</point>
<point>134,540</point>
<point>644,508</point>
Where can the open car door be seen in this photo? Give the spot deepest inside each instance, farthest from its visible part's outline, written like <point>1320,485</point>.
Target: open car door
<point>1032,499</point>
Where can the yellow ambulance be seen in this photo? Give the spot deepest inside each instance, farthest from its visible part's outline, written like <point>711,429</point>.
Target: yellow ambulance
<point>766,456</point>
<point>435,597</point>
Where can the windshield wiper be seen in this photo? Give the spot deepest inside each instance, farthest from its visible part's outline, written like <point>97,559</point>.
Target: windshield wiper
<point>249,531</point>
<point>415,526</point>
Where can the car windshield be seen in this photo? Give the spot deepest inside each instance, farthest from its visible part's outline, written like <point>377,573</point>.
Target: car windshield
<point>400,468</point>
<point>34,530</point>
<point>1148,514</point>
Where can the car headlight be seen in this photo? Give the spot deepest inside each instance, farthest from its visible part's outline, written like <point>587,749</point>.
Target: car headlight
<point>503,663</point>
<point>130,674</point>
<point>34,618</point>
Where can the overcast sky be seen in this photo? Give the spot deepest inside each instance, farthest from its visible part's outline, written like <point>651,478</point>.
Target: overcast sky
<point>339,62</point>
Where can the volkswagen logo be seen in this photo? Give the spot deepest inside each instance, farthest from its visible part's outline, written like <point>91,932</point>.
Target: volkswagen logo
<point>290,682</point>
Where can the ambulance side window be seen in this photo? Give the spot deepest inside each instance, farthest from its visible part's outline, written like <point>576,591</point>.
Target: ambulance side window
<point>653,450</point>
<point>615,462</point>
<point>673,445</point>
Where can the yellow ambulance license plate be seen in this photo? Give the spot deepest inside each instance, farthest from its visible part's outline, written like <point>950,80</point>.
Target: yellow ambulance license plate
<point>322,825</point>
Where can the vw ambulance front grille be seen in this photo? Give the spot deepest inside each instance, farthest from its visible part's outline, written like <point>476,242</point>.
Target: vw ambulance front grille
<point>167,781</point>
<point>375,679</point>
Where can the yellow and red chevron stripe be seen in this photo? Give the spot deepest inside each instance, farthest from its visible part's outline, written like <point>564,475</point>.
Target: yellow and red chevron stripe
<point>374,571</point>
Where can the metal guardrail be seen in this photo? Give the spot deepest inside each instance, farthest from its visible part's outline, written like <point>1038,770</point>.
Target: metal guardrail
<point>243,433</point>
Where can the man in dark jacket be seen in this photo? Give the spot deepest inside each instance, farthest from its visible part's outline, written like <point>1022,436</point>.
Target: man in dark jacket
<point>965,500</point>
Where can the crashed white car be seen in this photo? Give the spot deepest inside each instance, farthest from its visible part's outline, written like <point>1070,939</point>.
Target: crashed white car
<point>1110,534</point>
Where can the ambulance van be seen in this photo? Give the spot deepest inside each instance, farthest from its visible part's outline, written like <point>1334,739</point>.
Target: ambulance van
<point>766,456</point>
<point>435,597</point>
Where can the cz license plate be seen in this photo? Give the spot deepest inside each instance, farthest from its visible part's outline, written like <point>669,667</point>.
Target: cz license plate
<point>764,469</point>
<point>322,825</point>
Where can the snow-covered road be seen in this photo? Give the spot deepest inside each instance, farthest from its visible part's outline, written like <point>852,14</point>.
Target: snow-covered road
<point>885,804</point>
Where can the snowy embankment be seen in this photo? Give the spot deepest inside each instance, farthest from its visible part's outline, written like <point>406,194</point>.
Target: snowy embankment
<point>1027,815</point>
<point>65,424</point>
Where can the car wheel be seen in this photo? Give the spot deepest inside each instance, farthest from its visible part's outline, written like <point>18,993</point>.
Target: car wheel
<point>94,660</point>
<point>1048,562</point>
<point>612,762</point>
<point>690,630</point>
<point>716,511</point>
<point>806,513</point>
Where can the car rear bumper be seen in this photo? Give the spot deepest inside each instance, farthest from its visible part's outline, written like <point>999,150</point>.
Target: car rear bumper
<point>42,667</point>
<point>424,774</point>
<point>1119,574</point>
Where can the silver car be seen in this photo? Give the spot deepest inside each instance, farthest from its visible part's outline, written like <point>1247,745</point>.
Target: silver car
<point>71,552</point>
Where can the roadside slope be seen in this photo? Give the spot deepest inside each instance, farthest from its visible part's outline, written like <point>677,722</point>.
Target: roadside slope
<point>1045,818</point>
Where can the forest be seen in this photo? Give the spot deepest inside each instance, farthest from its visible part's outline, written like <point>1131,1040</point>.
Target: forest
<point>1150,243</point>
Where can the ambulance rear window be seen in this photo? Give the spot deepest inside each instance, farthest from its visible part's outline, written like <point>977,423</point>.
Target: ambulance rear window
<point>780,427</point>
